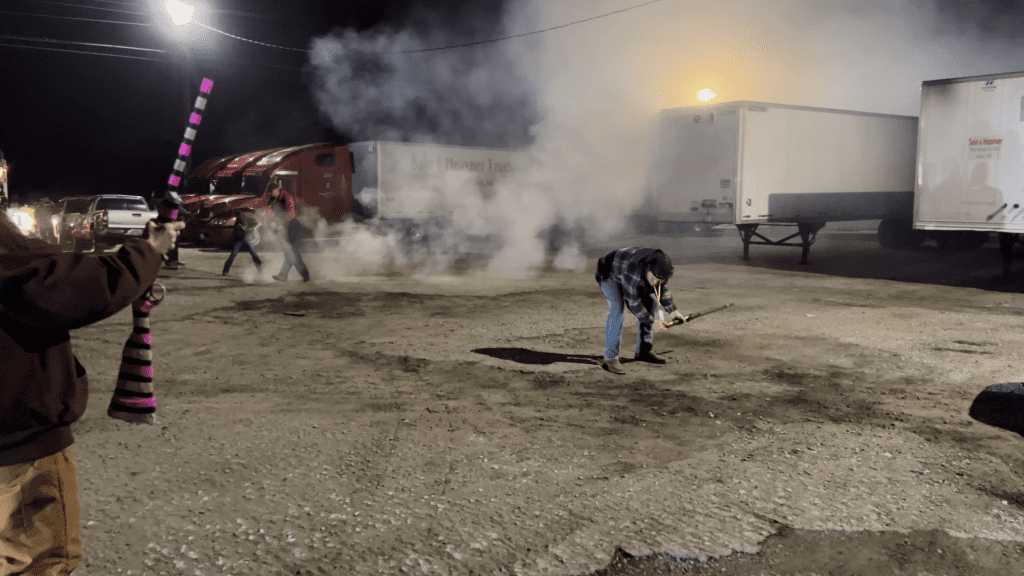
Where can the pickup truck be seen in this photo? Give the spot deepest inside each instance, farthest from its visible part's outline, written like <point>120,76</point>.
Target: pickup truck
<point>103,221</point>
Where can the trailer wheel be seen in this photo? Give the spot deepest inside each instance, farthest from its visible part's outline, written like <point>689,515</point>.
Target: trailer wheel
<point>888,234</point>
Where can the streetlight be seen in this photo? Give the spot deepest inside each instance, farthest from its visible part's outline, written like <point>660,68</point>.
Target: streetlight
<point>179,12</point>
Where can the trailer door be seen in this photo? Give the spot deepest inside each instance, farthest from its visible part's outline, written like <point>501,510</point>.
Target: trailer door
<point>969,167</point>
<point>693,175</point>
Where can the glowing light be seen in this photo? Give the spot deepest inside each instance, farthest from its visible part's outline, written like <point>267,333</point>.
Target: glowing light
<point>180,12</point>
<point>195,119</point>
<point>23,219</point>
<point>184,149</point>
<point>706,94</point>
<point>206,86</point>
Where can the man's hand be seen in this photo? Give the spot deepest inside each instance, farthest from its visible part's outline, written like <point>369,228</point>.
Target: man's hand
<point>677,315</point>
<point>163,237</point>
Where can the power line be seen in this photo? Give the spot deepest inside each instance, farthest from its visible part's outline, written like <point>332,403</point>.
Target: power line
<point>82,52</point>
<point>74,18</point>
<point>452,46</point>
<point>203,58</point>
<point>32,39</point>
<point>90,7</point>
<point>211,28</point>
<point>524,34</point>
<point>118,2</point>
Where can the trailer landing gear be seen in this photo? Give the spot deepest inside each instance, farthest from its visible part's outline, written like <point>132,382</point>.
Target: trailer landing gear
<point>1006,243</point>
<point>807,232</point>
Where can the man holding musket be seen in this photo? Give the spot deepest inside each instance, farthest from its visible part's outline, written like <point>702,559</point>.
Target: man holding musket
<point>635,278</point>
<point>43,389</point>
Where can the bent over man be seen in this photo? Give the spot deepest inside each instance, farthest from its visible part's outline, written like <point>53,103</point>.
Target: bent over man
<point>634,278</point>
<point>43,388</point>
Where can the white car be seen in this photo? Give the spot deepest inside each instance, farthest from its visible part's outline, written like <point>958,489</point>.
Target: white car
<point>96,222</point>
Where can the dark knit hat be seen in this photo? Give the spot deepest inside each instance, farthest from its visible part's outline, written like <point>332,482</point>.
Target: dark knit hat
<point>661,265</point>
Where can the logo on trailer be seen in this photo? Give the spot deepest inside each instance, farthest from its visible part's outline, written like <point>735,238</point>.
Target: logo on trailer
<point>988,86</point>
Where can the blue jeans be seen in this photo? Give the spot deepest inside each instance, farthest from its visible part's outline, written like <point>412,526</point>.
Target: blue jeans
<point>294,235</point>
<point>239,244</point>
<point>613,326</point>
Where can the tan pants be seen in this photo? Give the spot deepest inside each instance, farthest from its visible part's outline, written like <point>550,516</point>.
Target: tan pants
<point>40,533</point>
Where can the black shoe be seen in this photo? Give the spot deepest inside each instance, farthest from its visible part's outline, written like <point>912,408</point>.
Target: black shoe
<point>306,279</point>
<point>649,356</point>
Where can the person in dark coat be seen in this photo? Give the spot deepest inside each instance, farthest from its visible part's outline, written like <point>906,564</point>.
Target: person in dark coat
<point>43,388</point>
<point>634,278</point>
<point>246,223</point>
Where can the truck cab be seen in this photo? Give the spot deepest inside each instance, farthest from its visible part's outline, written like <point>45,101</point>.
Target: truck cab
<point>319,176</point>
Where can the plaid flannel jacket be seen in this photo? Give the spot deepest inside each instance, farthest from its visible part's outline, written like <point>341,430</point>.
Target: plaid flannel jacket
<point>626,270</point>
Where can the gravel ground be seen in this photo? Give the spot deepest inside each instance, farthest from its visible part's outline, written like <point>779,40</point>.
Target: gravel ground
<point>388,424</point>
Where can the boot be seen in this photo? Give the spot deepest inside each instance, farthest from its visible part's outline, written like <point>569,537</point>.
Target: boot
<point>646,354</point>
<point>613,366</point>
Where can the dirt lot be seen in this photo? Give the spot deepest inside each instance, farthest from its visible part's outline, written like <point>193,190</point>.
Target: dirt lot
<point>388,424</point>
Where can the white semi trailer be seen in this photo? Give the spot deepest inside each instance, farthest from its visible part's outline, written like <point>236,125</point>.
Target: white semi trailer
<point>756,163</point>
<point>418,187</point>
<point>970,162</point>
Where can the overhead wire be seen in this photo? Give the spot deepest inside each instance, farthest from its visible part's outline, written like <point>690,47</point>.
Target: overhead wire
<point>55,41</point>
<point>524,34</point>
<point>269,45</point>
<point>82,52</point>
<point>211,28</point>
<point>89,7</point>
<point>451,46</point>
<point>122,2</point>
<point>74,18</point>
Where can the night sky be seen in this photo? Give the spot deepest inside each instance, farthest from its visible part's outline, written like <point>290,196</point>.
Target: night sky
<point>73,123</point>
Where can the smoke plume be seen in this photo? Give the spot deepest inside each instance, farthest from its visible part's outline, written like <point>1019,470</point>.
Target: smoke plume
<point>582,99</point>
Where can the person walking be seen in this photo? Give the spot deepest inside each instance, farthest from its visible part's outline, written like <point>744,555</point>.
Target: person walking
<point>45,210</point>
<point>635,278</point>
<point>281,205</point>
<point>43,388</point>
<point>245,224</point>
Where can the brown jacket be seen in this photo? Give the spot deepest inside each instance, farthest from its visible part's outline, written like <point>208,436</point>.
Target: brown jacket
<point>43,388</point>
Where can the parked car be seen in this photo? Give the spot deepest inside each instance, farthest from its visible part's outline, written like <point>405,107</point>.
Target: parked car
<point>103,221</point>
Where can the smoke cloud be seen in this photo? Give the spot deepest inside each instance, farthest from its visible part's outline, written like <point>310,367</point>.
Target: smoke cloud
<point>582,100</point>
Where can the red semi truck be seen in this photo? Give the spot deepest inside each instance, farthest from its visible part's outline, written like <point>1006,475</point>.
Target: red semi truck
<point>318,175</point>
<point>398,186</point>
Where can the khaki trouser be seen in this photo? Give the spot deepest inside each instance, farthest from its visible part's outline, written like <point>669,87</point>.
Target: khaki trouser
<point>40,533</point>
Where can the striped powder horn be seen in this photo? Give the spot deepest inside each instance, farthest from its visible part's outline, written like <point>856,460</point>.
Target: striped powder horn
<point>133,399</point>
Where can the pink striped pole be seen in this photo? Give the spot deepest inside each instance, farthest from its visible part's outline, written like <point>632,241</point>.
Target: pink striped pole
<point>171,205</point>
<point>133,399</point>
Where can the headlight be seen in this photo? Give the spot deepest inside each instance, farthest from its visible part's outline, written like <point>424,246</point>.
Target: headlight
<point>22,219</point>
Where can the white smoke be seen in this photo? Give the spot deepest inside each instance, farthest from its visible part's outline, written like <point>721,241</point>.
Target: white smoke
<point>583,98</point>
